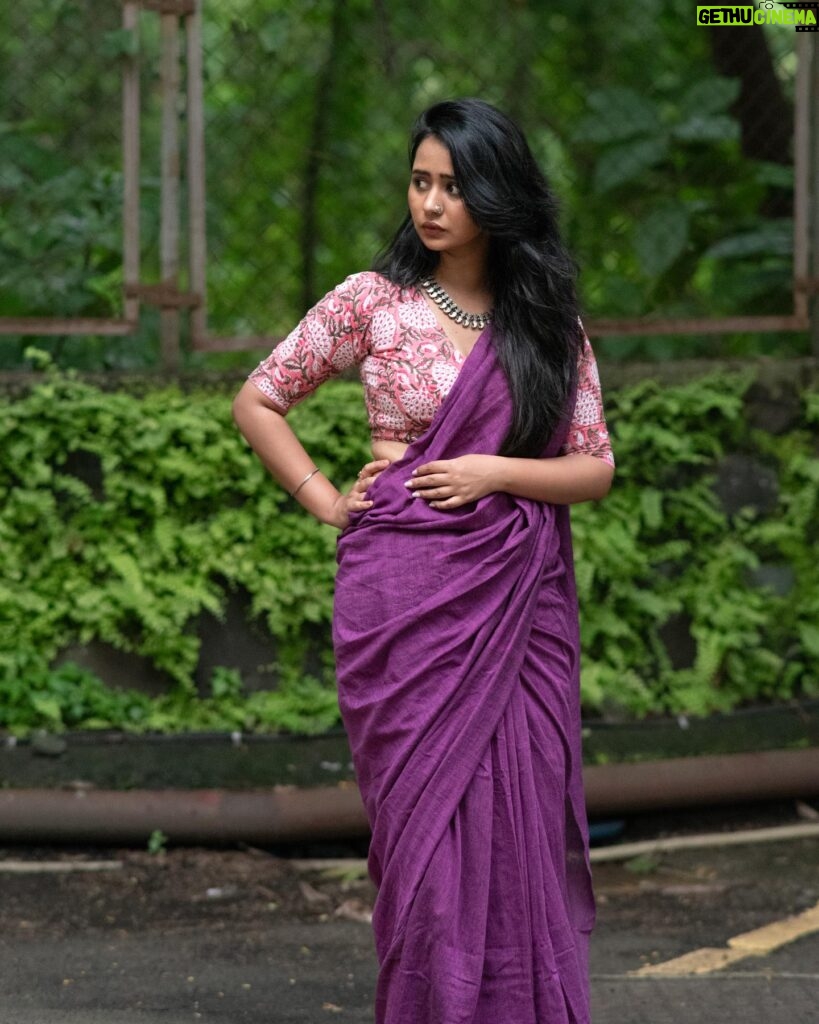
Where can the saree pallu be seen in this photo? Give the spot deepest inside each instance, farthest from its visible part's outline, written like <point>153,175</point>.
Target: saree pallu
<point>457,656</point>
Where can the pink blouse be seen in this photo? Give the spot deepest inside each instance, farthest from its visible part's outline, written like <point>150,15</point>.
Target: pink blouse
<point>407,362</point>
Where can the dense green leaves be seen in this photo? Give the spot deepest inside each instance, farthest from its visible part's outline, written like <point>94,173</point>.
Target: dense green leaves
<point>661,236</point>
<point>125,518</point>
<point>661,549</point>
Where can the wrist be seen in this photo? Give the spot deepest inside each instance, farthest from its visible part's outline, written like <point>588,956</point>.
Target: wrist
<point>320,498</point>
<point>330,514</point>
<point>496,477</point>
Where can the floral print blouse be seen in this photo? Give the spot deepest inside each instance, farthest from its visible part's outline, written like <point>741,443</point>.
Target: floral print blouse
<point>407,362</point>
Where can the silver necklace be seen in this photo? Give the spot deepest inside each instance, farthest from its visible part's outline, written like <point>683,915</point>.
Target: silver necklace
<point>449,306</point>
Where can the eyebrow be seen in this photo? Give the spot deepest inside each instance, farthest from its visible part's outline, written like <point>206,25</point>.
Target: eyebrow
<point>418,170</point>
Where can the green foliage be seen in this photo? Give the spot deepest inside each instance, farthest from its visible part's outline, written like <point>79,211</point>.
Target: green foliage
<point>643,864</point>
<point>307,108</point>
<point>684,247</point>
<point>661,547</point>
<point>157,842</point>
<point>126,518</point>
<point>68,697</point>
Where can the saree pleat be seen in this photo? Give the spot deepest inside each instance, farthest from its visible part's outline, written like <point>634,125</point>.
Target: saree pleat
<point>457,658</point>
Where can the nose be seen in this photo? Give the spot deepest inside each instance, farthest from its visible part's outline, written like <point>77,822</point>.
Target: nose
<point>432,203</point>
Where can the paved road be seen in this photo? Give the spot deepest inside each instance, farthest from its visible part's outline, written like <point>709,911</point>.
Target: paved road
<point>239,938</point>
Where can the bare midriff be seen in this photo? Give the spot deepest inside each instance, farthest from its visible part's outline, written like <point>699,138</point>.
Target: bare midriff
<point>392,450</point>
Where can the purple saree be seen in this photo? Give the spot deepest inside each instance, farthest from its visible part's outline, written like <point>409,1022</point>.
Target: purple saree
<point>456,643</point>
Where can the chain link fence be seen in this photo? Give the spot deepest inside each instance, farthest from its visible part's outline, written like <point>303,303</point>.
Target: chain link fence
<point>672,147</point>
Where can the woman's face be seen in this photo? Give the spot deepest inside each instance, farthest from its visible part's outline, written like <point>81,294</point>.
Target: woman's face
<point>437,209</point>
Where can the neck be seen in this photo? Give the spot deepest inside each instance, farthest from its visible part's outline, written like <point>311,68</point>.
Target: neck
<point>465,272</point>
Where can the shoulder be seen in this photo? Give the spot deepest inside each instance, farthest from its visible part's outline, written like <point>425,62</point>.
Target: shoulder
<point>360,296</point>
<point>363,295</point>
<point>369,284</point>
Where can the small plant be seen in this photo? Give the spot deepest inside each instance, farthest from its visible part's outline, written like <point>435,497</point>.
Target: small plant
<point>643,863</point>
<point>157,842</point>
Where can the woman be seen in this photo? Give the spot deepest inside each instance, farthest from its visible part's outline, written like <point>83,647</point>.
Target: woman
<point>455,620</point>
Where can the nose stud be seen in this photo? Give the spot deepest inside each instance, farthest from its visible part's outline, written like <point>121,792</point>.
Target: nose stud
<point>438,210</point>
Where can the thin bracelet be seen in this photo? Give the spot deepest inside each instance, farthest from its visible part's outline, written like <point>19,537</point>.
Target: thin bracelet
<point>304,481</point>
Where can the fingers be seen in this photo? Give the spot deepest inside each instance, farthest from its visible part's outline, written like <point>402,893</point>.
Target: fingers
<point>442,497</point>
<point>438,493</point>
<point>440,466</point>
<point>445,503</point>
<point>368,472</point>
<point>430,488</point>
<point>373,467</point>
<point>441,491</point>
<point>359,499</point>
<point>426,483</point>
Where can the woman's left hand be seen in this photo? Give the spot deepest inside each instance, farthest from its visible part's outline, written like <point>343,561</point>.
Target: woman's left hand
<point>448,483</point>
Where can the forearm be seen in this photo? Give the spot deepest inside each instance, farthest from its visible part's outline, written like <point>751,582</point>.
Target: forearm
<point>564,480</point>
<point>283,455</point>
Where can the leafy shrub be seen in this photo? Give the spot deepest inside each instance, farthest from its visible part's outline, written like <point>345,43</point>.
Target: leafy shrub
<point>662,546</point>
<point>126,517</point>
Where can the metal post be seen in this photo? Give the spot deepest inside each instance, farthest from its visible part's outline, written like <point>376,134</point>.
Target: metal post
<point>197,241</point>
<point>130,166</point>
<point>169,175</point>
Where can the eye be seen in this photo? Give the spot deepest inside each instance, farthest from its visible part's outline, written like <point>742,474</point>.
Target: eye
<point>419,183</point>
<point>453,189</point>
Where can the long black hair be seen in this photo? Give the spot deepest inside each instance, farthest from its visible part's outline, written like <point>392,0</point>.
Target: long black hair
<point>531,273</point>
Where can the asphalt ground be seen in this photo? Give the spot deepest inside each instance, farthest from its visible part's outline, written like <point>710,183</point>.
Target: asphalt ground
<point>256,937</point>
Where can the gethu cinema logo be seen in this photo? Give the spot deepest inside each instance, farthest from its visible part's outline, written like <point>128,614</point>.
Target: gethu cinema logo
<point>718,15</point>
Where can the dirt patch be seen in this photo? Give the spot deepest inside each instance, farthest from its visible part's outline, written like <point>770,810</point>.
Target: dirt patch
<point>177,889</point>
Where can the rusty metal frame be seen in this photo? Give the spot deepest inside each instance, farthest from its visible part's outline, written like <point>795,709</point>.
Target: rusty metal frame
<point>41,325</point>
<point>166,294</point>
<point>170,299</point>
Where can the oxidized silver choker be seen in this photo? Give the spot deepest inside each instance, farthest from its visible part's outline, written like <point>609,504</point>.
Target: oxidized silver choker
<point>452,309</point>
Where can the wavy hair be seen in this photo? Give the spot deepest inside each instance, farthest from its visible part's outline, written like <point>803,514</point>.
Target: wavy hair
<point>532,275</point>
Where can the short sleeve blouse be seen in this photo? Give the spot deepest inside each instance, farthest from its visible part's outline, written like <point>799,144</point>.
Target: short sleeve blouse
<point>406,362</point>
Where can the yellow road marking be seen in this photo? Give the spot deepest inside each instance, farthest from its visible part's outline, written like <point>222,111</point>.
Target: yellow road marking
<point>758,942</point>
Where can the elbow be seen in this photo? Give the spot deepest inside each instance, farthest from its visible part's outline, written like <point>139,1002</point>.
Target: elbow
<point>243,405</point>
<point>237,409</point>
<point>605,478</point>
<point>251,407</point>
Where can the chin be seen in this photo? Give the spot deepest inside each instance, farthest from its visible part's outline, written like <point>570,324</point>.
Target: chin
<point>432,243</point>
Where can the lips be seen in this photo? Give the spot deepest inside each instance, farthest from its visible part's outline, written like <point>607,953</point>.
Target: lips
<point>433,229</point>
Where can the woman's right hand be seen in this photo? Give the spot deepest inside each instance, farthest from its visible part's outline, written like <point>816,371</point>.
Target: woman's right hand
<point>355,499</point>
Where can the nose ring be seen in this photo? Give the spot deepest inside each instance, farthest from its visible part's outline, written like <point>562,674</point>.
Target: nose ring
<point>438,210</point>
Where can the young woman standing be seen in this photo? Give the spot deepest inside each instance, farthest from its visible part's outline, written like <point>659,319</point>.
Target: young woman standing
<point>455,621</point>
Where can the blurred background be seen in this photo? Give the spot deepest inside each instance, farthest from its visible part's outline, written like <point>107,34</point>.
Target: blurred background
<point>267,141</point>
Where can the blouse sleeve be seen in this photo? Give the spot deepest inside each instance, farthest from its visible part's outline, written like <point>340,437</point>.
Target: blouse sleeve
<point>332,336</point>
<point>588,434</point>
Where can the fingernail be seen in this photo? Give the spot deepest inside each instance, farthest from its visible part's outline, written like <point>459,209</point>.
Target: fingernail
<point>408,483</point>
